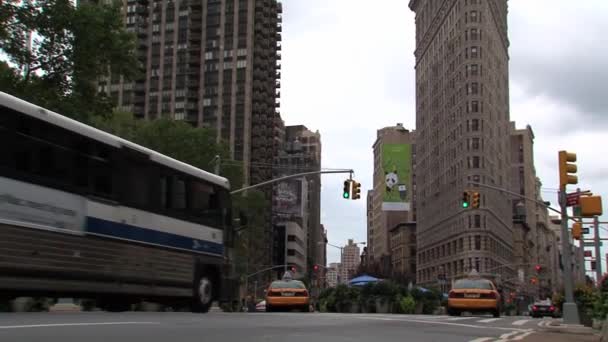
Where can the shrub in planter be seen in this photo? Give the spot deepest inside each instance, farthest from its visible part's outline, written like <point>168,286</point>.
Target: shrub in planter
<point>586,297</point>
<point>407,305</point>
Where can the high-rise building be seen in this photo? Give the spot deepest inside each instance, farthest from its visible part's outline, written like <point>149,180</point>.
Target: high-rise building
<point>462,135</point>
<point>215,64</point>
<point>212,63</point>
<point>301,152</point>
<point>333,274</point>
<point>392,198</point>
<point>350,261</point>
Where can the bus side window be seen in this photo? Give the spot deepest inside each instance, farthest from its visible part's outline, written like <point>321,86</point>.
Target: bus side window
<point>178,193</point>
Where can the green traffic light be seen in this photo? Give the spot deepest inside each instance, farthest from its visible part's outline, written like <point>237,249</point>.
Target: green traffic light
<point>465,204</point>
<point>345,195</point>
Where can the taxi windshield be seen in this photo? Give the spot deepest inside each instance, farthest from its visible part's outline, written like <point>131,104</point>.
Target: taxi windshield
<point>473,284</point>
<point>293,284</point>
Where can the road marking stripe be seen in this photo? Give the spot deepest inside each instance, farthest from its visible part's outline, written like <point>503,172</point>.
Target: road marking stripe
<point>70,325</point>
<point>458,318</point>
<point>489,320</point>
<point>482,339</point>
<point>521,322</point>
<point>515,330</point>
<point>522,336</point>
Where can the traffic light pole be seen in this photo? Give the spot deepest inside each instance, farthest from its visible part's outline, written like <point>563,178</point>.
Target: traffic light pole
<point>598,264</point>
<point>297,175</point>
<point>570,311</point>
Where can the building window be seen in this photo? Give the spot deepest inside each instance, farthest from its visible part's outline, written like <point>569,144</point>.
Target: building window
<point>476,162</point>
<point>475,143</point>
<point>474,106</point>
<point>477,221</point>
<point>475,125</point>
<point>474,52</point>
<point>473,16</point>
<point>474,69</point>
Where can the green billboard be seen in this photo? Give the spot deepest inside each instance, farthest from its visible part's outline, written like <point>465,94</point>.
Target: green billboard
<point>397,168</point>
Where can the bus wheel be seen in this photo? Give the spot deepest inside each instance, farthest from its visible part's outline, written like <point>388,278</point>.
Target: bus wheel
<point>203,294</point>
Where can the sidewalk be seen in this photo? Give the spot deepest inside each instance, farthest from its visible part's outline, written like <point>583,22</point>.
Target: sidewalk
<point>556,332</point>
<point>546,336</point>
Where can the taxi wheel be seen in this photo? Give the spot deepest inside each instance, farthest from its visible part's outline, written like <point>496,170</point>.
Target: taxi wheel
<point>496,313</point>
<point>305,308</point>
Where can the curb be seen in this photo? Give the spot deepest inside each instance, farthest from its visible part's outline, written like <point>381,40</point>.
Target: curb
<point>575,329</point>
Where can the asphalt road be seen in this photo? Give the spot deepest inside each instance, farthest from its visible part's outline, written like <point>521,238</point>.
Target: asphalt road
<point>266,327</point>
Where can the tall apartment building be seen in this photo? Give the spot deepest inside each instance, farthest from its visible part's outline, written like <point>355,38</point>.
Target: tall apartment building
<point>350,261</point>
<point>333,274</point>
<point>301,152</point>
<point>212,63</point>
<point>392,197</point>
<point>462,135</point>
<point>534,242</point>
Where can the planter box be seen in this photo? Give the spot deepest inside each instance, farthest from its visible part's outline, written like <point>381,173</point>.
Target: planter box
<point>382,306</point>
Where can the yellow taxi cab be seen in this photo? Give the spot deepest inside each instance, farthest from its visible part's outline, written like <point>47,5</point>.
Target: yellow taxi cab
<point>473,295</point>
<point>287,294</point>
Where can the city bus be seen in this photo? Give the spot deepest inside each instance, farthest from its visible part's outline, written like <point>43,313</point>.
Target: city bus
<point>86,214</point>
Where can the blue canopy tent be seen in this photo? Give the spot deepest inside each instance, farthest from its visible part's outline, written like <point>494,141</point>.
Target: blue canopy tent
<point>363,280</point>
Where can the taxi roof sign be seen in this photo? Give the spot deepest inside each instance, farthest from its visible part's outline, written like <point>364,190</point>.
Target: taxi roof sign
<point>287,276</point>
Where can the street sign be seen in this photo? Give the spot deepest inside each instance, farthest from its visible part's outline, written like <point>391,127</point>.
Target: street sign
<point>592,244</point>
<point>572,199</point>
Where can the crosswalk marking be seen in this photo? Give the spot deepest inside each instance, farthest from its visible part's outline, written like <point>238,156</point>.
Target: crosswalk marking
<point>521,322</point>
<point>489,320</point>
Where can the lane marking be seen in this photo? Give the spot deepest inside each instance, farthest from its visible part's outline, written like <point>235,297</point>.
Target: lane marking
<point>521,322</point>
<point>507,336</point>
<point>522,336</point>
<point>489,320</point>
<point>482,339</point>
<point>458,318</point>
<point>71,325</point>
<point>512,330</point>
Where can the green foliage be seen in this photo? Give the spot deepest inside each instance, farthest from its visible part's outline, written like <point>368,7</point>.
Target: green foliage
<point>73,47</point>
<point>600,307</point>
<point>407,305</point>
<point>586,298</point>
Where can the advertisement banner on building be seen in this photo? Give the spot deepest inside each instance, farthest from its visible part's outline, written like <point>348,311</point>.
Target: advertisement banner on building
<point>289,198</point>
<point>397,168</point>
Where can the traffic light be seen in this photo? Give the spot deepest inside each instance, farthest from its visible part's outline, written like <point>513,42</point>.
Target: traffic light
<point>475,199</point>
<point>534,280</point>
<point>466,199</point>
<point>577,230</point>
<point>293,269</point>
<point>566,169</point>
<point>346,191</point>
<point>315,268</point>
<point>538,268</point>
<point>356,190</point>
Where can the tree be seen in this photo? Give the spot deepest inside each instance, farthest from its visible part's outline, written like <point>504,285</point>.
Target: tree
<point>72,47</point>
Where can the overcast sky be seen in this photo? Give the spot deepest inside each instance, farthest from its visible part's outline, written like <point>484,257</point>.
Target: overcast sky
<point>348,70</point>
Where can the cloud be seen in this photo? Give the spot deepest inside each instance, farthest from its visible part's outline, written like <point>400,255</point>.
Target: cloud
<point>348,70</point>
<point>567,63</point>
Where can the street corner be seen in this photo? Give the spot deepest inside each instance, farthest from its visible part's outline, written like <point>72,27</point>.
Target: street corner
<point>548,336</point>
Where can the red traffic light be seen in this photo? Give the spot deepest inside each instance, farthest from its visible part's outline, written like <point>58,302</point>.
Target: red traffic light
<point>315,267</point>
<point>538,268</point>
<point>293,269</point>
